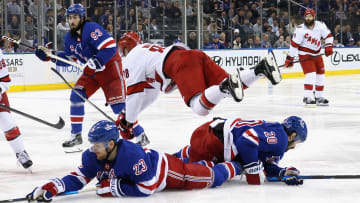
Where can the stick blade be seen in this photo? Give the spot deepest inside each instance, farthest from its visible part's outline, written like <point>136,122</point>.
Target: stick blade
<point>60,124</point>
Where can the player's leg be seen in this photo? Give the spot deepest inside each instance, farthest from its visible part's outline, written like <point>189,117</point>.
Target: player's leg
<point>320,83</point>
<point>196,176</point>
<point>266,67</point>
<point>85,86</point>
<point>309,70</point>
<point>13,135</point>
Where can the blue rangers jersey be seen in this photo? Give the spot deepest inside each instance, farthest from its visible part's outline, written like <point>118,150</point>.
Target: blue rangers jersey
<point>94,41</point>
<point>142,171</point>
<point>252,140</point>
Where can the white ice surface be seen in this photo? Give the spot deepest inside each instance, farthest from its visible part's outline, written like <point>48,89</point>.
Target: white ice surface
<point>332,147</point>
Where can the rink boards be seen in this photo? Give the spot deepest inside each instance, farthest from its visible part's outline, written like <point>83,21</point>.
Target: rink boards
<point>28,73</point>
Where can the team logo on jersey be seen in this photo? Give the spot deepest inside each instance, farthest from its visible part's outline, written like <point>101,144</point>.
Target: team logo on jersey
<point>312,40</point>
<point>96,34</point>
<point>72,48</point>
<point>271,137</point>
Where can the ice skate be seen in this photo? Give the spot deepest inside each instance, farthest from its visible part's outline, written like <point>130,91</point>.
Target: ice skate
<point>233,85</point>
<point>321,101</point>
<point>309,102</point>
<point>74,144</point>
<point>24,159</point>
<point>141,140</point>
<point>269,68</point>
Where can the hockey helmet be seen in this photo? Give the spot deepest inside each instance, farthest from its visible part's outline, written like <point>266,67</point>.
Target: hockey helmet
<point>128,40</point>
<point>103,131</point>
<point>309,11</point>
<point>296,124</point>
<point>76,9</point>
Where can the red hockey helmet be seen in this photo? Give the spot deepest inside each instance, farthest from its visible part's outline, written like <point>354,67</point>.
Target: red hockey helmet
<point>128,40</point>
<point>309,11</point>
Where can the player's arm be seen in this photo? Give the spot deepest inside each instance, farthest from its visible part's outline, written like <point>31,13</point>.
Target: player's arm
<point>72,182</point>
<point>294,45</point>
<point>329,39</point>
<point>247,146</point>
<point>4,77</point>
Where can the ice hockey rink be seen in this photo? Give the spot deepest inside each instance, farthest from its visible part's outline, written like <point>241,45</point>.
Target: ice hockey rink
<point>332,147</point>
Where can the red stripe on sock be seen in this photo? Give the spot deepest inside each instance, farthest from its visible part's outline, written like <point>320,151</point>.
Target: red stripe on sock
<point>319,88</point>
<point>308,87</point>
<point>12,134</point>
<point>77,119</point>
<point>206,102</point>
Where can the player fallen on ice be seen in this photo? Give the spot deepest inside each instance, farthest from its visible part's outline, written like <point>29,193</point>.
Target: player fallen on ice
<point>126,169</point>
<point>307,41</point>
<point>7,122</point>
<point>257,144</point>
<point>89,43</point>
<point>150,69</point>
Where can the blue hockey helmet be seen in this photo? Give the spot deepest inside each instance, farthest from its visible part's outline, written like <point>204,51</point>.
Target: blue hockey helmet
<point>76,9</point>
<point>298,125</point>
<point>103,131</point>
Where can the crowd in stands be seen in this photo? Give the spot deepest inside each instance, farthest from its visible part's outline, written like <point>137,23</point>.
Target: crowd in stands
<point>226,24</point>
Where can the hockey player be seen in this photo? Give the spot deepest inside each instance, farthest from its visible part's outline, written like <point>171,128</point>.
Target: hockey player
<point>125,169</point>
<point>150,69</point>
<point>7,122</point>
<point>257,144</point>
<point>307,40</point>
<point>89,43</point>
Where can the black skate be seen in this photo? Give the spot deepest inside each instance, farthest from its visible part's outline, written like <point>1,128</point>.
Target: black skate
<point>141,140</point>
<point>269,68</point>
<point>233,85</point>
<point>73,144</point>
<point>309,102</point>
<point>321,101</point>
<point>24,159</point>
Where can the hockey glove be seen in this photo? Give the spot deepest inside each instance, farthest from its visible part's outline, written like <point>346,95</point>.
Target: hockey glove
<point>255,174</point>
<point>125,128</point>
<point>109,188</point>
<point>41,55</point>
<point>289,62</point>
<point>290,176</point>
<point>93,65</point>
<point>46,192</point>
<point>328,50</point>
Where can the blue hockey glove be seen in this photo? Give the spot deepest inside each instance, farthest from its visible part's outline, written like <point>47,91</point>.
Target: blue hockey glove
<point>290,176</point>
<point>46,192</point>
<point>292,180</point>
<point>41,55</point>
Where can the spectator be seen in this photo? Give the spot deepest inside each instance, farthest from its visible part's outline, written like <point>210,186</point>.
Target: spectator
<point>29,28</point>
<point>13,8</point>
<point>95,17</point>
<point>351,43</point>
<point>144,10</point>
<point>275,28</point>
<point>215,44</point>
<point>178,38</point>
<point>257,27</point>
<point>110,29</point>
<point>33,9</point>
<point>271,34</point>
<point>271,10</point>
<point>141,33</point>
<point>104,18</point>
<point>154,29</point>
<point>346,35</point>
<point>255,14</point>
<point>14,27</point>
<point>240,16</point>
<point>337,33</point>
<point>224,21</point>
<point>358,43</point>
<point>222,40</point>
<point>60,15</point>
<point>280,43</point>
<point>291,26</point>
<point>265,43</point>
<point>207,44</point>
<point>237,42</point>
<point>62,28</point>
<point>192,42</point>
<point>337,43</point>
<point>257,43</point>
<point>356,35</point>
<point>212,27</point>
<point>232,10</point>
<point>271,19</point>
<point>247,28</point>
<point>249,43</point>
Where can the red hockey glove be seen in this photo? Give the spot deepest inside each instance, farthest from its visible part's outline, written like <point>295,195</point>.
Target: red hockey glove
<point>328,50</point>
<point>125,128</point>
<point>289,62</point>
<point>46,192</point>
<point>91,66</point>
<point>109,188</point>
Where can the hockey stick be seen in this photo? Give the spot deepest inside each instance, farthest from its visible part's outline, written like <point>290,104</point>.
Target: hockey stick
<point>17,42</point>
<point>61,194</point>
<point>81,96</point>
<point>305,59</point>
<point>277,179</point>
<point>60,124</point>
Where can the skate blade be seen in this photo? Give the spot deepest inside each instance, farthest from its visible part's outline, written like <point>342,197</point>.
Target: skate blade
<point>310,105</point>
<point>239,92</point>
<point>73,149</point>
<point>322,104</point>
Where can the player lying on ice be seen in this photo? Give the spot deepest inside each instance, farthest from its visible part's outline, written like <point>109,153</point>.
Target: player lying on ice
<point>257,144</point>
<point>126,169</point>
<point>150,69</point>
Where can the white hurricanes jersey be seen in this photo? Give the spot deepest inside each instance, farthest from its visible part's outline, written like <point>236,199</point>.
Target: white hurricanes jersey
<point>4,74</point>
<point>144,77</point>
<point>308,41</point>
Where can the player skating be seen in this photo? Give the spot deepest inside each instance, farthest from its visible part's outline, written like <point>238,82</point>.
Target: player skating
<point>7,122</point>
<point>257,144</point>
<point>150,69</point>
<point>125,169</point>
<point>89,43</point>
<point>307,40</point>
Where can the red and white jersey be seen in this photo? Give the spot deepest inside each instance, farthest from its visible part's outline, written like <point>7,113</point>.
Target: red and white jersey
<point>4,74</point>
<point>144,77</point>
<point>308,41</point>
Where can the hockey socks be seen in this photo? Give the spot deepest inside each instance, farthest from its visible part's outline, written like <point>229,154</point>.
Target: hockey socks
<point>77,116</point>
<point>225,171</point>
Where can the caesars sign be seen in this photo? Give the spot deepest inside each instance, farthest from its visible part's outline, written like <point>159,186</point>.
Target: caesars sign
<point>231,59</point>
